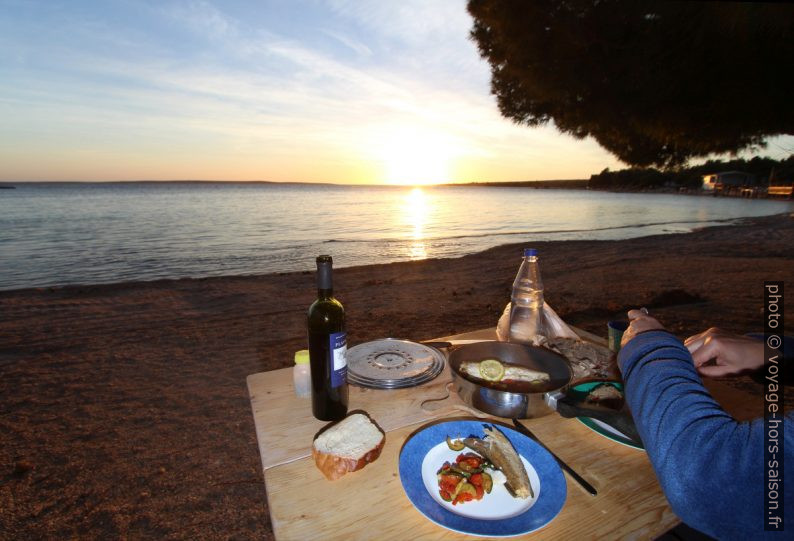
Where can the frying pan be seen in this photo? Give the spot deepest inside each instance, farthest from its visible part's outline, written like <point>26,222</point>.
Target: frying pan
<point>517,401</point>
<point>526,401</point>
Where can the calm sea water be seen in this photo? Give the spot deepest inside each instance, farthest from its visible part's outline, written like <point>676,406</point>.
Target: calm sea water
<point>57,234</point>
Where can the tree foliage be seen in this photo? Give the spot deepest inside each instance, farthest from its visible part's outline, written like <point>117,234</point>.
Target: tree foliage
<point>655,83</point>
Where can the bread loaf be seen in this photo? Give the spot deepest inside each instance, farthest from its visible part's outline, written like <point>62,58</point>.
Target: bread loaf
<point>347,446</point>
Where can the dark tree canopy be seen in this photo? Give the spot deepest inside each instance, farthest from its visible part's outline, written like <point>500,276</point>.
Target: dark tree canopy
<point>655,83</point>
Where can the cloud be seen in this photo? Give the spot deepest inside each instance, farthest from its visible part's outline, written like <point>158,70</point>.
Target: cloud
<point>415,22</point>
<point>353,44</point>
<point>202,18</point>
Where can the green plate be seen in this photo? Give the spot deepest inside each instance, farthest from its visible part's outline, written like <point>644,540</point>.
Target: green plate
<point>597,426</point>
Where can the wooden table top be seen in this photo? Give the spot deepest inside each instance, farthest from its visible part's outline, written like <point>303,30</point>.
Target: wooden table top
<point>371,503</point>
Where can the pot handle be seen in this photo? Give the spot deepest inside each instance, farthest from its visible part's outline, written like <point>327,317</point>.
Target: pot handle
<point>450,344</point>
<point>438,345</point>
<point>619,420</point>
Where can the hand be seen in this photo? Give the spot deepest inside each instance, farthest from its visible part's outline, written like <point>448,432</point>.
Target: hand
<point>640,321</point>
<point>731,353</point>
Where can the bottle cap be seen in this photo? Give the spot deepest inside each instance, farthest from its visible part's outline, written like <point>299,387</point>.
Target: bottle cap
<point>302,356</point>
<point>530,252</point>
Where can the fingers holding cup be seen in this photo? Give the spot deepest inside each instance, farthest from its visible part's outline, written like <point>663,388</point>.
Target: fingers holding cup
<point>639,321</point>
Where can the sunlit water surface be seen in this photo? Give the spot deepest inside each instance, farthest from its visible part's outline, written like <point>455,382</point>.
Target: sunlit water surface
<point>56,234</point>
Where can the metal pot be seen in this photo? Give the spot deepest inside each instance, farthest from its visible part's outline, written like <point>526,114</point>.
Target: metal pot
<point>507,400</point>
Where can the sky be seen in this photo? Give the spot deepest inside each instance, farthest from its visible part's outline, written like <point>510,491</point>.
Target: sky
<point>354,92</point>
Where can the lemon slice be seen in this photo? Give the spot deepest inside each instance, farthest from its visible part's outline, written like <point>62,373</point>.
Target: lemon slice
<point>491,370</point>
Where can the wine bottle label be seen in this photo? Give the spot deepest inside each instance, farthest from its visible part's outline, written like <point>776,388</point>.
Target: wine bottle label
<point>338,349</point>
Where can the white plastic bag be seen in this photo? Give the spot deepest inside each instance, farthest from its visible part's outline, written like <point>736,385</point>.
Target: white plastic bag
<point>553,325</point>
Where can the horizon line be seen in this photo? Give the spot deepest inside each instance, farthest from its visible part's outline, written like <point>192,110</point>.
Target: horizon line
<point>218,181</point>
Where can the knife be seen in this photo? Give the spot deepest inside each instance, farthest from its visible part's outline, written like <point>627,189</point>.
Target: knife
<point>568,405</point>
<point>578,478</point>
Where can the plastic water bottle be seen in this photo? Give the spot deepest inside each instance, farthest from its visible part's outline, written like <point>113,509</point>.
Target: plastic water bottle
<point>301,374</point>
<point>526,308</point>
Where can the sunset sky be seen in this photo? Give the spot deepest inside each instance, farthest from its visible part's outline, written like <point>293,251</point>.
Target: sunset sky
<point>336,91</point>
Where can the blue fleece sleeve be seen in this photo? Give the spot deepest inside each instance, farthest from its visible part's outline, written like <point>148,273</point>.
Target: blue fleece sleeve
<point>710,466</point>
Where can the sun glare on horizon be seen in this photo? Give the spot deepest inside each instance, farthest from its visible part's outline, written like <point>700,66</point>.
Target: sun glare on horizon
<point>415,157</point>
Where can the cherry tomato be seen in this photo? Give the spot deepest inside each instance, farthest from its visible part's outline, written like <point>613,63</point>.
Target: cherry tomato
<point>474,462</point>
<point>462,498</point>
<point>449,479</point>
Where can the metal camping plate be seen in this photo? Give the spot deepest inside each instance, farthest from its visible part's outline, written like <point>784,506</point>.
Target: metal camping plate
<point>393,384</point>
<point>390,363</point>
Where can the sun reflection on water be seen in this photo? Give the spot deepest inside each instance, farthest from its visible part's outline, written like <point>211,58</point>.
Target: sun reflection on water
<point>415,211</point>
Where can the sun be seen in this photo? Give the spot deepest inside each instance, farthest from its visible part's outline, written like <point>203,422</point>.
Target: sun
<point>415,157</point>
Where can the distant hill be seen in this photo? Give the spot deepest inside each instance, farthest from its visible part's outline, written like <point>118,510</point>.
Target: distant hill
<point>572,184</point>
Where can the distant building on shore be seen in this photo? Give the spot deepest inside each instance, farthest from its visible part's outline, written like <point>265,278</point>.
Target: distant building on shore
<point>716,182</point>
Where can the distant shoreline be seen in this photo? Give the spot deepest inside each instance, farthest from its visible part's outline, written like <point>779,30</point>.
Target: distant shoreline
<point>563,184</point>
<point>568,184</point>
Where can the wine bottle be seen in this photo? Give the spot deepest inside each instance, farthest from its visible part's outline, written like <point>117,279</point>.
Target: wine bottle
<point>327,348</point>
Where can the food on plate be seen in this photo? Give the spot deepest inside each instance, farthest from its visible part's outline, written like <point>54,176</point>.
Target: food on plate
<point>494,371</point>
<point>456,445</point>
<point>500,452</point>
<point>491,370</point>
<point>347,446</point>
<point>605,395</point>
<point>466,480</point>
<point>587,359</point>
<point>604,391</point>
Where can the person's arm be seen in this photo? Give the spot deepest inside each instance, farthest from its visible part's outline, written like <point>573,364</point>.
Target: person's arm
<point>718,353</point>
<point>709,465</point>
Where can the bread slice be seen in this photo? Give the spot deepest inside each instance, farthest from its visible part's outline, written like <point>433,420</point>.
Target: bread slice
<point>347,446</point>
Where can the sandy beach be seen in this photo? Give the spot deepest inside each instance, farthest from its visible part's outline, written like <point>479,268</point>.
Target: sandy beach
<point>124,408</point>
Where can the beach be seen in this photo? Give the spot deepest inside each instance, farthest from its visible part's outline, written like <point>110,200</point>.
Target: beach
<point>125,412</point>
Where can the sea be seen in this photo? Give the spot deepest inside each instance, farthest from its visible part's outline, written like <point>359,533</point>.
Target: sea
<point>55,234</point>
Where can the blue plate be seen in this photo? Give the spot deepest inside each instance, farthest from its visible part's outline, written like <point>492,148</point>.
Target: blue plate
<point>498,514</point>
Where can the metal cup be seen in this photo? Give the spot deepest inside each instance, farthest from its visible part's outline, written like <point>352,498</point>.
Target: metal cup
<point>616,329</point>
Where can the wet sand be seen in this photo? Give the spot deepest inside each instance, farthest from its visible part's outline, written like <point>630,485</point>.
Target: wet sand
<point>124,409</point>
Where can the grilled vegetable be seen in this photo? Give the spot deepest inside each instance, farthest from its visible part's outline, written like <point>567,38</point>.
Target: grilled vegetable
<point>487,482</point>
<point>465,480</point>
<point>456,445</point>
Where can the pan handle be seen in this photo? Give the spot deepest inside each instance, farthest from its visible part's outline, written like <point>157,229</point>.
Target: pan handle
<point>620,420</point>
<point>438,345</point>
<point>451,344</point>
